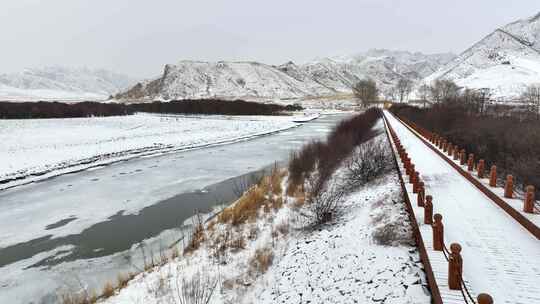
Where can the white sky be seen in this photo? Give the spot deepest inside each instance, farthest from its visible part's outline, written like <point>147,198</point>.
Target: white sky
<point>138,37</point>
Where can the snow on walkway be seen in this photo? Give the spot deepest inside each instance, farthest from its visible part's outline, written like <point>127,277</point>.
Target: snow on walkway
<point>500,257</point>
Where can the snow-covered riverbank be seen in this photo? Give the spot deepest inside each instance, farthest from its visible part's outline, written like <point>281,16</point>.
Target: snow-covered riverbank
<point>39,148</point>
<point>365,255</point>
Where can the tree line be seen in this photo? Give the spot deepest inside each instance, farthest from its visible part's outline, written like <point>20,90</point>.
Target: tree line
<point>26,110</point>
<point>446,91</point>
<point>509,142</point>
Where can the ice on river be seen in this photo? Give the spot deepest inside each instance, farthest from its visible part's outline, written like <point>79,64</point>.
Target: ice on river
<point>45,147</point>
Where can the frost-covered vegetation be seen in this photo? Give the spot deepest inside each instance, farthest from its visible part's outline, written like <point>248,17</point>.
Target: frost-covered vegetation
<point>270,246</point>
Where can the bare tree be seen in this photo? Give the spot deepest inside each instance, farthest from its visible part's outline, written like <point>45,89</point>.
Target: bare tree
<point>366,91</point>
<point>483,96</point>
<point>392,94</point>
<point>424,92</point>
<point>532,97</point>
<point>404,87</point>
<point>444,90</point>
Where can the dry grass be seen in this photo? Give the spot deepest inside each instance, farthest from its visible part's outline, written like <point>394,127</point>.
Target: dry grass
<point>262,260</point>
<point>276,178</point>
<point>78,298</point>
<point>108,290</point>
<point>294,186</point>
<point>122,280</point>
<point>175,253</point>
<point>196,239</point>
<point>246,208</point>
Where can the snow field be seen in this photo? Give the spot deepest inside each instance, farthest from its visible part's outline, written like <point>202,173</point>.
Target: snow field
<point>46,146</point>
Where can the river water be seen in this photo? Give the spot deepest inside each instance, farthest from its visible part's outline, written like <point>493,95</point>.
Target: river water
<point>85,228</point>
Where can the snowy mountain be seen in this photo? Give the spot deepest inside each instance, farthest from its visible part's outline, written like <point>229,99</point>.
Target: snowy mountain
<point>62,83</point>
<point>507,60</point>
<point>323,77</point>
<point>384,66</point>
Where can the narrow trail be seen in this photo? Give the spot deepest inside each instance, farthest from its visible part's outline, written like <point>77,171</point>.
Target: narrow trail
<point>500,256</point>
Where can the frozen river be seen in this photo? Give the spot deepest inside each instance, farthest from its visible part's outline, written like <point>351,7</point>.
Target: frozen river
<point>86,227</point>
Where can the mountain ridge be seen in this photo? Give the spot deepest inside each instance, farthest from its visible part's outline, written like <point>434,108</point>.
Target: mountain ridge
<point>193,79</point>
<point>60,82</point>
<point>506,61</point>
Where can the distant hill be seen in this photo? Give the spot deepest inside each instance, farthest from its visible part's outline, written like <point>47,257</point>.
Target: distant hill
<point>506,61</point>
<point>62,83</point>
<point>252,80</point>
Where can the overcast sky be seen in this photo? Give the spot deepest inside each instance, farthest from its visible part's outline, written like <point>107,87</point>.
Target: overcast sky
<point>138,37</point>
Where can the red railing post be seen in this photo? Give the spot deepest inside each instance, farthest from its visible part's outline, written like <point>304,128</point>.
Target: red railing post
<point>484,298</point>
<point>480,168</point>
<point>416,179</point>
<point>449,149</point>
<point>438,233</point>
<point>470,162</point>
<point>529,200</point>
<point>411,173</point>
<point>445,146</point>
<point>428,210</point>
<point>463,157</point>
<point>493,176</point>
<point>421,194</point>
<point>455,267</point>
<point>509,186</point>
<point>456,153</point>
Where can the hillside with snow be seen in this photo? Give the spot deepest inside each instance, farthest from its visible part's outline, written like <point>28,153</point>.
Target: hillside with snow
<point>506,61</point>
<point>62,83</point>
<point>322,77</point>
<point>384,66</point>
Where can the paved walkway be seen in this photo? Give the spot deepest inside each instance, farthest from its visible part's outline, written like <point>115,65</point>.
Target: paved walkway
<point>500,257</point>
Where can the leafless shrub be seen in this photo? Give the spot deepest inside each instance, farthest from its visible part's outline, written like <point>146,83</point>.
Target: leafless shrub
<point>197,235</point>
<point>261,260</point>
<point>325,157</point>
<point>369,161</point>
<point>391,234</point>
<point>322,202</point>
<point>195,289</point>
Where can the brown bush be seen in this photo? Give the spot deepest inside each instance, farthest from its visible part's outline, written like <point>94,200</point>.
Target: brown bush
<point>262,260</point>
<point>122,280</point>
<point>108,290</point>
<point>327,156</point>
<point>246,208</point>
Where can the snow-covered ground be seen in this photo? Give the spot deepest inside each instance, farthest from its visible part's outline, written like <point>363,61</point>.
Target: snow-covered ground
<point>48,147</point>
<point>61,84</point>
<point>505,61</point>
<point>342,262</point>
